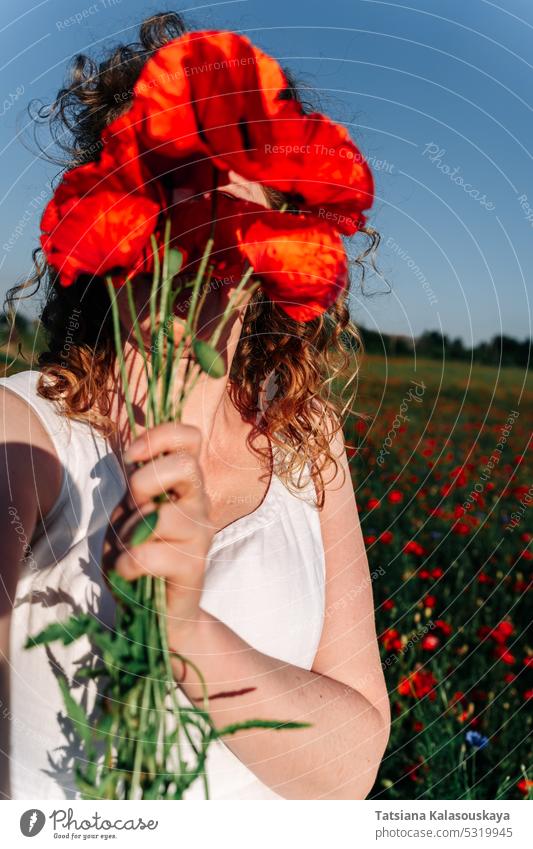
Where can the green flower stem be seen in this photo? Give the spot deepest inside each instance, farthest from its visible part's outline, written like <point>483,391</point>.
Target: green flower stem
<point>233,302</point>
<point>135,788</point>
<point>120,356</point>
<point>153,323</point>
<point>161,606</point>
<point>142,349</point>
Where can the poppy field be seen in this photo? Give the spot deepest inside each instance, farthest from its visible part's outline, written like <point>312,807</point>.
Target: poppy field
<point>445,496</point>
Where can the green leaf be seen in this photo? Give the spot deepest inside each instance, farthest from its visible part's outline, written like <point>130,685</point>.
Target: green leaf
<point>77,715</point>
<point>121,588</point>
<point>105,725</point>
<point>276,725</point>
<point>144,528</point>
<point>208,359</point>
<point>175,261</point>
<point>67,631</point>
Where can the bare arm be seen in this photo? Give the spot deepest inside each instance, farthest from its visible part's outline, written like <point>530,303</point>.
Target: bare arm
<point>30,477</point>
<point>343,697</point>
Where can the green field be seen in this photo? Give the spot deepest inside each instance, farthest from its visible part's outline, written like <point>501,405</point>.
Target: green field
<point>445,495</point>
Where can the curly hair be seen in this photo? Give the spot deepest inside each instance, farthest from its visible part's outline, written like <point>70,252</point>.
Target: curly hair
<point>308,360</point>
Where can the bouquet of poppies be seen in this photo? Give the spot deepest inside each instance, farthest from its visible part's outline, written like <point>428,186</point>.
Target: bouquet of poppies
<point>204,105</point>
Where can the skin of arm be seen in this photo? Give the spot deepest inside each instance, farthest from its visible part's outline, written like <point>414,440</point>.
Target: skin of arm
<point>30,477</point>
<point>343,697</point>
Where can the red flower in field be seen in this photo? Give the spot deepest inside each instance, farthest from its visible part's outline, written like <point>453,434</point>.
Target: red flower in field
<point>525,786</point>
<point>430,601</point>
<point>502,632</point>
<point>483,578</point>
<point>503,654</point>
<point>395,496</point>
<point>528,695</point>
<point>458,474</point>
<point>461,529</point>
<point>373,503</point>
<point>388,604</point>
<point>424,574</point>
<point>370,539</point>
<point>418,684</point>
<point>437,572</point>
<point>430,642</point>
<point>386,537</point>
<point>526,536</point>
<point>509,677</point>
<point>457,698</point>
<point>444,627</point>
<point>418,727</point>
<point>391,640</point>
<point>528,661</point>
<point>413,547</point>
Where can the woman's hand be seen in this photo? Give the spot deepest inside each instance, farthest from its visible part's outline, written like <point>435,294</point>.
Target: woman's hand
<point>178,547</point>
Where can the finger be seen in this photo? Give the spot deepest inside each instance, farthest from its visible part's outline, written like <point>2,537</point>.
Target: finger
<point>179,475</point>
<point>182,520</point>
<point>182,567</point>
<point>169,474</point>
<point>164,438</point>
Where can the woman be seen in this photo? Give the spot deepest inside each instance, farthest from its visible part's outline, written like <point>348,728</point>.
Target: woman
<point>269,596</point>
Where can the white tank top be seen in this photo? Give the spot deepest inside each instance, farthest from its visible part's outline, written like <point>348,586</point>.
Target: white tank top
<point>264,579</point>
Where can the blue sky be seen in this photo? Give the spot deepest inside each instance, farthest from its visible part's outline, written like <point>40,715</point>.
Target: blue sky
<point>437,93</point>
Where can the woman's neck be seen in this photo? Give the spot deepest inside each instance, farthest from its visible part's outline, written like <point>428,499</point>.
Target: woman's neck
<point>208,406</point>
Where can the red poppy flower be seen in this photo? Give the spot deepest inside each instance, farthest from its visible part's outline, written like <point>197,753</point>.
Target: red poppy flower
<point>391,640</point>
<point>457,697</point>
<point>444,627</point>
<point>300,261</point>
<point>430,601</point>
<point>395,496</point>
<point>413,547</point>
<point>502,632</point>
<point>388,604</point>
<point>525,786</point>
<point>483,578</point>
<point>100,219</point>
<point>213,95</point>
<point>430,642</point>
<point>372,503</point>
<point>386,537</point>
<point>418,684</point>
<point>505,655</point>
